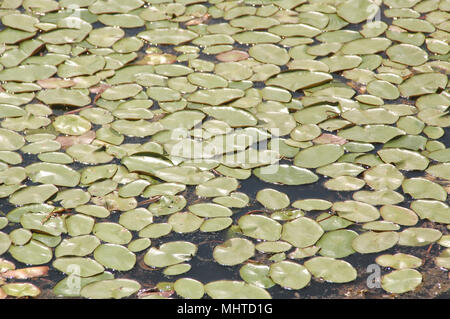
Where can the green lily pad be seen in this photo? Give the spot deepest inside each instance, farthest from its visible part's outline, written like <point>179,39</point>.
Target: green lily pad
<point>79,224</point>
<point>435,211</point>
<point>356,12</point>
<point>210,210</point>
<point>215,224</point>
<point>272,199</point>
<point>110,289</point>
<point>220,186</point>
<point>234,251</point>
<point>167,205</point>
<point>399,261</point>
<point>112,233</point>
<point>260,227</point>
<point>185,222</point>
<point>383,89</point>
<point>27,73</point>
<point>33,253</point>
<point>297,80</point>
<point>227,289</point>
<point>383,176</point>
<point>121,91</point>
<point>139,245</point>
<point>105,37</point>
<point>19,236</point>
<point>372,242</point>
<point>407,54</point>
<point>136,219</point>
<point>5,242</point>
<point>33,194</point>
<point>356,211</point>
<point>155,230</point>
<point>366,46</point>
<point>331,270</point>
<point>337,243</point>
<point>269,53</point>
<point>421,84</point>
<point>257,275</point>
<point>56,174</point>
<point>301,232</point>
<point>77,246</point>
<point>312,204</point>
<point>189,288</point>
<point>285,174</point>
<point>115,257</point>
<point>443,260</point>
<point>170,253</point>
<point>64,96</point>
<point>289,275</point>
<point>404,159</point>
<point>344,183</point>
<point>399,215</point>
<point>168,36</point>
<point>21,290</point>
<point>318,155</point>
<point>420,188</point>
<point>401,281</point>
<point>10,141</point>
<point>67,288</point>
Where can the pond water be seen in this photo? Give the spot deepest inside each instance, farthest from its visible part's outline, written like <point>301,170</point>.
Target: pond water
<point>357,92</point>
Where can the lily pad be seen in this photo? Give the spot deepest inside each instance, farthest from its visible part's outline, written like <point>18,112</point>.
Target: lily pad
<point>115,257</point>
<point>110,289</point>
<point>318,155</point>
<point>189,288</point>
<point>419,236</point>
<point>33,253</point>
<point>372,242</point>
<point>401,281</point>
<point>260,227</point>
<point>21,290</point>
<point>289,274</point>
<point>337,243</point>
<point>234,251</point>
<point>331,270</point>
<point>257,275</point>
<point>227,289</point>
<point>301,232</point>
<point>399,261</point>
<point>272,199</point>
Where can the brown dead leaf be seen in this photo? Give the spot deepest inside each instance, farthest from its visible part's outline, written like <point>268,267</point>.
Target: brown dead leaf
<point>67,141</point>
<point>25,273</point>
<point>149,292</point>
<point>3,294</point>
<point>232,56</point>
<point>99,89</point>
<point>361,88</point>
<point>327,138</point>
<point>196,21</point>
<point>55,83</point>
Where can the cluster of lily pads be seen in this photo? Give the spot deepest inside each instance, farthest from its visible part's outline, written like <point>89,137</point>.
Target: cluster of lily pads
<point>124,122</point>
